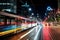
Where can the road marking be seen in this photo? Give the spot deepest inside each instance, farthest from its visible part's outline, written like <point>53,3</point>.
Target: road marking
<point>26,34</point>
<point>35,38</point>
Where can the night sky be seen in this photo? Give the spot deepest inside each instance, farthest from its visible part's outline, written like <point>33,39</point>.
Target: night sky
<point>40,5</point>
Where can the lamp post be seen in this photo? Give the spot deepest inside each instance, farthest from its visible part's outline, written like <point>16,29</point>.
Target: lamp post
<point>30,9</point>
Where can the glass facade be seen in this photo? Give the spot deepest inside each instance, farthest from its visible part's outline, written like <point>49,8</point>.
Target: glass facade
<point>8,5</point>
<point>58,3</point>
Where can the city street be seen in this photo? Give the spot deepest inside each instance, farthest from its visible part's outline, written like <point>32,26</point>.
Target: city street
<point>55,32</point>
<point>29,19</point>
<point>16,36</point>
<point>40,32</point>
<point>51,32</point>
<point>31,34</point>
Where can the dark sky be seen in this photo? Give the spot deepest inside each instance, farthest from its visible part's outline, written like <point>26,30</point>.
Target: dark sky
<point>40,5</point>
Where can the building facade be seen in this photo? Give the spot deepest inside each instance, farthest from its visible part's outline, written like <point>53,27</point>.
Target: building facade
<point>8,5</point>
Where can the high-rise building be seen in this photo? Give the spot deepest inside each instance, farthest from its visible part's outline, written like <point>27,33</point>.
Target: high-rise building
<point>8,5</point>
<point>23,9</point>
<point>58,6</point>
<point>58,3</point>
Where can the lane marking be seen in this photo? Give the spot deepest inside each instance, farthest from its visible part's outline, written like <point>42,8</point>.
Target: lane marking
<point>35,38</point>
<point>26,34</point>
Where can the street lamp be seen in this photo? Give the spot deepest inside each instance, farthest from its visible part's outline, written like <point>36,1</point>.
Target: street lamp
<point>32,13</point>
<point>37,15</point>
<point>30,9</point>
<point>49,8</point>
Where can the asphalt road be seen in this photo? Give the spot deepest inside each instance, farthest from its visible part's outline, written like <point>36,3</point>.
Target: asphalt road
<point>14,36</point>
<point>31,34</point>
<point>40,32</point>
<point>51,32</point>
<point>34,34</point>
<point>55,33</point>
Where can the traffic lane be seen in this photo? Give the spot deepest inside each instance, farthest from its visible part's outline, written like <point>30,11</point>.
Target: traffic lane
<point>55,33</point>
<point>39,32</point>
<point>16,36</point>
<point>51,33</point>
<point>27,35</point>
<point>40,37</point>
<point>33,34</point>
<point>46,33</point>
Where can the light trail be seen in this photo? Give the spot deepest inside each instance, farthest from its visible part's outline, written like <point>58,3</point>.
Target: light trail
<point>26,34</point>
<point>11,15</point>
<point>38,32</point>
<point>46,33</point>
